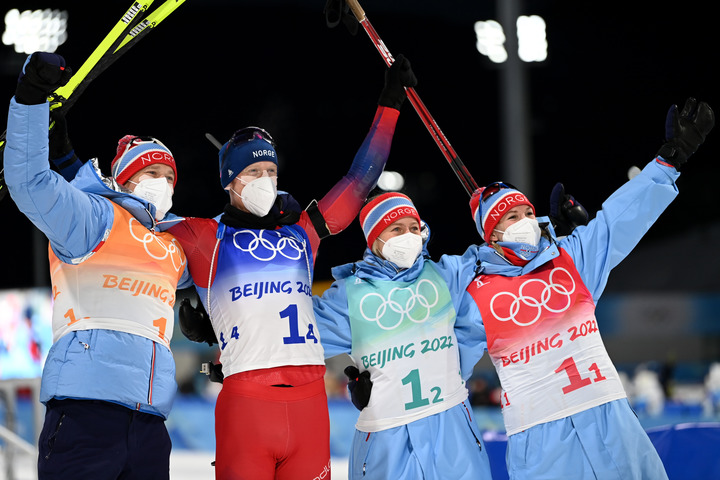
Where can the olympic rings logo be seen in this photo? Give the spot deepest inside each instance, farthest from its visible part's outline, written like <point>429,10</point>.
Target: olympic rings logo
<point>155,247</point>
<point>263,249</point>
<point>556,286</point>
<point>401,302</point>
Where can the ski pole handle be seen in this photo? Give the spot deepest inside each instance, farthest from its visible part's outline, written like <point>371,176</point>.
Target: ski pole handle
<point>356,9</point>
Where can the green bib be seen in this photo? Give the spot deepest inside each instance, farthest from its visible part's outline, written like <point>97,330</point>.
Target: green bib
<point>403,333</point>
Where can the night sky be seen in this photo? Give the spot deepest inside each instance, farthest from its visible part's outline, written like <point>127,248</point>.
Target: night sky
<point>597,105</point>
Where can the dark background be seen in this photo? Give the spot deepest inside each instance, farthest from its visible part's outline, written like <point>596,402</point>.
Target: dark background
<point>597,107</point>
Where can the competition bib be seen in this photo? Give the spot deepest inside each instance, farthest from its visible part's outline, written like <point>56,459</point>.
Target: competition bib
<point>545,344</point>
<point>261,300</point>
<point>127,284</point>
<point>403,333</point>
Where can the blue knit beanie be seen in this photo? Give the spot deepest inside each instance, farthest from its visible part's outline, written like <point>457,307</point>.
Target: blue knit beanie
<point>247,146</point>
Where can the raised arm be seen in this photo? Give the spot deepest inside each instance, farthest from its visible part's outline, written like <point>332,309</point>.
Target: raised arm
<point>340,206</point>
<point>632,209</point>
<point>73,221</point>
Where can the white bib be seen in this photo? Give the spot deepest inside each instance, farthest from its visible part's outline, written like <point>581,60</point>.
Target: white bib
<point>261,300</point>
<point>545,344</point>
<point>403,333</point>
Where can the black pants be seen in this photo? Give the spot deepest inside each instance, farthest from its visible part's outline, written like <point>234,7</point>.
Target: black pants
<point>102,441</point>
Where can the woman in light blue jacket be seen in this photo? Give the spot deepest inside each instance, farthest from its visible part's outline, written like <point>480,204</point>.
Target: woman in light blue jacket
<point>565,410</point>
<point>405,319</point>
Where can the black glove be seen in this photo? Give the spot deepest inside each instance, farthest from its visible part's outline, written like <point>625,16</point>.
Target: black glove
<point>566,213</point>
<point>359,385</point>
<point>214,371</point>
<point>398,76</point>
<point>42,73</point>
<point>195,323</point>
<point>685,131</point>
<point>337,11</point>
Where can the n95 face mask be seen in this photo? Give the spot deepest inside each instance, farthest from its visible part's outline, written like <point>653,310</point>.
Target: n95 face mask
<point>156,191</point>
<point>526,231</point>
<point>258,195</point>
<point>403,250</point>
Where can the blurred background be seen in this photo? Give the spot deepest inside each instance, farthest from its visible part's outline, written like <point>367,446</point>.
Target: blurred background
<point>591,106</point>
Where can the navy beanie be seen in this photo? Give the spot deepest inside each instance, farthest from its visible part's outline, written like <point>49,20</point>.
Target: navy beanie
<point>236,156</point>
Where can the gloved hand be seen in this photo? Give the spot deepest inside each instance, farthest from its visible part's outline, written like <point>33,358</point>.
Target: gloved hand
<point>566,213</point>
<point>214,371</point>
<point>398,76</point>
<point>42,73</point>
<point>195,323</point>
<point>359,385</point>
<point>685,131</point>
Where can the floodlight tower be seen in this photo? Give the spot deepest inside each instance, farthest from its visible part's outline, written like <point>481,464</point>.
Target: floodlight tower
<point>512,42</point>
<point>514,107</point>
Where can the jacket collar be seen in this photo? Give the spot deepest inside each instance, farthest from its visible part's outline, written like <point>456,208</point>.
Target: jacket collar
<point>491,262</point>
<point>372,267</point>
<point>90,179</point>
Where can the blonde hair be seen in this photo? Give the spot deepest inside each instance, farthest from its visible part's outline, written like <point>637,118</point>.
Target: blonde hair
<point>376,249</point>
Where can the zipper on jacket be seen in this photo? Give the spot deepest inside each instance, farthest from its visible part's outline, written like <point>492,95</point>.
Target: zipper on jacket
<point>503,257</point>
<point>365,463</point>
<point>152,375</point>
<point>477,440</point>
<point>53,437</point>
<point>468,412</point>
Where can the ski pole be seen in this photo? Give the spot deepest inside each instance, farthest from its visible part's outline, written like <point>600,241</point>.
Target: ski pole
<point>440,139</point>
<point>127,32</point>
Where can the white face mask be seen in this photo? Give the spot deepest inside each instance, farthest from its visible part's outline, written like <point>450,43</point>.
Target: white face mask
<point>259,195</point>
<point>526,231</point>
<point>156,191</point>
<point>403,250</point>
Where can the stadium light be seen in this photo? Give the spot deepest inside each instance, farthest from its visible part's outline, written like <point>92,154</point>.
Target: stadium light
<point>532,40</point>
<point>35,30</point>
<point>391,181</point>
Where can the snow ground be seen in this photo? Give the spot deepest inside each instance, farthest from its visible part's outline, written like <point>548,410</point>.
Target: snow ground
<point>184,465</point>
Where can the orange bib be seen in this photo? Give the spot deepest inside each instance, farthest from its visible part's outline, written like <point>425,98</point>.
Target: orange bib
<point>126,284</point>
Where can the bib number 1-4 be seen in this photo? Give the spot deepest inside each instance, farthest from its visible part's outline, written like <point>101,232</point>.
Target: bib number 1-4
<point>294,335</point>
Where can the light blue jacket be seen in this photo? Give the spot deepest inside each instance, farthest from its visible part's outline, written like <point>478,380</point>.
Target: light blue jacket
<point>118,367</point>
<point>446,445</point>
<point>600,246</point>
<point>606,441</point>
<point>457,271</point>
